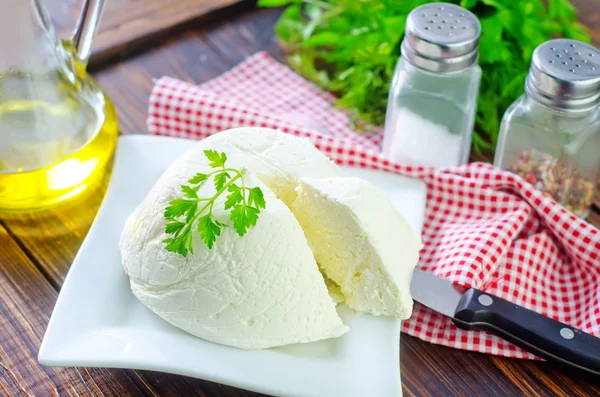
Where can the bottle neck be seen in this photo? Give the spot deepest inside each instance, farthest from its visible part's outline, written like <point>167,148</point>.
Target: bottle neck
<point>410,67</point>
<point>28,39</point>
<point>541,111</point>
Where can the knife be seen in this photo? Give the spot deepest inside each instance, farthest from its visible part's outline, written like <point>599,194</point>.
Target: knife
<point>472,309</point>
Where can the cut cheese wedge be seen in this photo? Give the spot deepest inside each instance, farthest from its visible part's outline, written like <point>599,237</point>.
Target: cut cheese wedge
<point>360,241</point>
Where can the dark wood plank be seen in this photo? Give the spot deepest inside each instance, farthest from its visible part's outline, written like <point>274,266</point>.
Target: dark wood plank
<point>129,82</point>
<point>190,56</point>
<point>432,370</point>
<point>55,244</point>
<point>26,302</point>
<point>236,39</point>
<point>128,23</point>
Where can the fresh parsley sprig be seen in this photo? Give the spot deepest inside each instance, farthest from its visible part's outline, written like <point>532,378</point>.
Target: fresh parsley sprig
<point>351,47</point>
<point>243,202</point>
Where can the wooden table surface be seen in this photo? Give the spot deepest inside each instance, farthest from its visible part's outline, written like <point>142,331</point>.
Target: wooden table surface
<point>36,250</point>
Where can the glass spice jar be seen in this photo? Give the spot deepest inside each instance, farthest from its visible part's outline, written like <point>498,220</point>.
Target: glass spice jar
<point>550,136</point>
<point>433,96</point>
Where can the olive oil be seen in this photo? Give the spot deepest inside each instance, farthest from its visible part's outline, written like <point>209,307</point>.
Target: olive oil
<point>57,128</point>
<point>53,148</point>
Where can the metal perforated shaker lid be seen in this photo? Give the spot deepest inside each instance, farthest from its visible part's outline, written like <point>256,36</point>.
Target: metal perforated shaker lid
<point>441,37</point>
<point>565,75</point>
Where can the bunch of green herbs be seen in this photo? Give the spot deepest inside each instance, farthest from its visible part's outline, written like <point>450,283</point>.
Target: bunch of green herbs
<point>351,47</point>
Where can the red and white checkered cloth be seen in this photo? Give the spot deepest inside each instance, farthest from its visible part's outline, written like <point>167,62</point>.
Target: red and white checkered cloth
<point>484,227</point>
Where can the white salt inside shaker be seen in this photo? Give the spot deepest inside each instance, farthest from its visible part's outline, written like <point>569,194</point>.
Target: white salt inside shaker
<point>433,97</point>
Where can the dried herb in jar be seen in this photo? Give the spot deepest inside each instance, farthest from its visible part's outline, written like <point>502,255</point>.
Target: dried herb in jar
<point>556,177</point>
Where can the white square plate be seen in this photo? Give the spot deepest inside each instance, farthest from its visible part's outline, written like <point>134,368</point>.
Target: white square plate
<point>97,322</point>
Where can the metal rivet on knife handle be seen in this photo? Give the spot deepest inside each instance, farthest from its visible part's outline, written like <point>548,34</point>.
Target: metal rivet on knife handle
<point>567,333</point>
<point>485,300</point>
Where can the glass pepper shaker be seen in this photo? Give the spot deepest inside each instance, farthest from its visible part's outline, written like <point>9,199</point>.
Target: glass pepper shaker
<point>550,136</point>
<point>432,100</point>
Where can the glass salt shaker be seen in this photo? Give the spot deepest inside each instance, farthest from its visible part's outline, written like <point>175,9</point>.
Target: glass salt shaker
<point>433,97</point>
<point>550,136</point>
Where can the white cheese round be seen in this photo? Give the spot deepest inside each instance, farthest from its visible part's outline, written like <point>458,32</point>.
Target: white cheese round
<point>278,159</point>
<point>361,243</point>
<point>257,291</point>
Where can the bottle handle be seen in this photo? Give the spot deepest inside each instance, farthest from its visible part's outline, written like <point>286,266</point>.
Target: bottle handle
<point>86,28</point>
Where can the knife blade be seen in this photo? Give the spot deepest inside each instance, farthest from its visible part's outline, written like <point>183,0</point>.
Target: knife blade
<point>472,309</point>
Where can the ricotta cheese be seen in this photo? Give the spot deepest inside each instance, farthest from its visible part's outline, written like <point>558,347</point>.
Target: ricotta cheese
<point>361,243</point>
<point>257,291</point>
<point>277,159</point>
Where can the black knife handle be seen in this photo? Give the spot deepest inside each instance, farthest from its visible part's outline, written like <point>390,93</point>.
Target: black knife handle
<point>534,332</point>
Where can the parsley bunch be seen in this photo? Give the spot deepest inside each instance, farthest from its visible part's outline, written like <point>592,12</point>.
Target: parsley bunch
<point>243,202</point>
<point>351,47</point>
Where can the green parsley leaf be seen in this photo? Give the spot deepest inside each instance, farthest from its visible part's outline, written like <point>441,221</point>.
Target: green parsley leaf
<point>181,244</point>
<point>243,217</point>
<point>174,227</point>
<point>221,180</point>
<point>179,207</point>
<point>192,212</point>
<point>274,3</point>
<point>199,177</point>
<point>244,202</point>
<point>172,245</point>
<point>234,197</point>
<point>189,191</point>
<point>216,159</point>
<point>255,196</point>
<point>209,230</point>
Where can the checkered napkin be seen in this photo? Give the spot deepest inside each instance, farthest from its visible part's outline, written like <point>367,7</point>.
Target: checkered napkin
<point>484,227</point>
